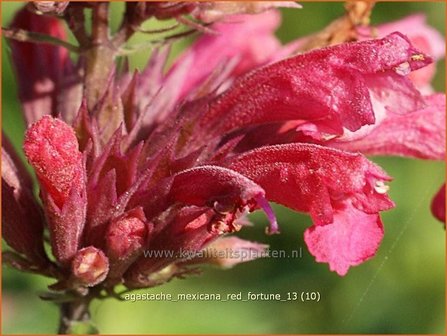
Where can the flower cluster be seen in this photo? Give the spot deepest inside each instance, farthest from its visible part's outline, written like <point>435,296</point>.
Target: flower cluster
<point>170,161</point>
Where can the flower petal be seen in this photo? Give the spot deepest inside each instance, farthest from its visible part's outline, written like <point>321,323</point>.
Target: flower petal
<point>227,252</point>
<point>311,178</point>
<point>419,134</point>
<point>230,42</point>
<point>52,149</point>
<point>50,7</point>
<point>423,37</point>
<point>352,238</point>
<point>415,27</point>
<point>126,237</point>
<point>224,190</point>
<point>126,234</point>
<point>89,267</point>
<point>179,230</point>
<point>326,87</point>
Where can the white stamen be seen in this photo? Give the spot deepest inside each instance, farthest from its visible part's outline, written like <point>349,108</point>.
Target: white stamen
<point>381,188</point>
<point>403,69</point>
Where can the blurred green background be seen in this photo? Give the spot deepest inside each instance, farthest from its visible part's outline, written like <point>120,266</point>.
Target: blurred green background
<point>401,290</point>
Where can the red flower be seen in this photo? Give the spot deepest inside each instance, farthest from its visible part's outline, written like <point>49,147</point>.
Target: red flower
<point>47,80</point>
<point>185,155</point>
<point>52,149</point>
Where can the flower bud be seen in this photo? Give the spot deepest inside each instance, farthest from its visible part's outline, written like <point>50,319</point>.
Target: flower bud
<point>125,239</point>
<point>89,266</point>
<point>22,224</point>
<point>41,68</point>
<point>126,234</point>
<point>50,7</point>
<point>52,149</point>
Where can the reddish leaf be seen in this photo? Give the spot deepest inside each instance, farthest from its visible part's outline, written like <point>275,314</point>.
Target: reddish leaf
<point>22,222</point>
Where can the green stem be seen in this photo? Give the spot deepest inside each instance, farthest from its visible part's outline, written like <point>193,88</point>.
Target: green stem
<point>73,313</point>
<point>27,36</point>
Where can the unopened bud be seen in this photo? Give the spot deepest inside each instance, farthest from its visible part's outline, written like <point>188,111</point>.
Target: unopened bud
<point>126,234</point>
<point>125,239</point>
<point>90,266</point>
<point>50,7</point>
<point>52,149</point>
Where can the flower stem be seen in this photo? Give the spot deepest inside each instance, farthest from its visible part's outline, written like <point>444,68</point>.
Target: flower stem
<point>72,313</point>
<point>75,18</point>
<point>100,57</point>
<point>27,36</point>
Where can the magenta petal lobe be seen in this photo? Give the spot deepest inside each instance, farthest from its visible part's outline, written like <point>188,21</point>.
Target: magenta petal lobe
<point>352,238</point>
<point>438,204</point>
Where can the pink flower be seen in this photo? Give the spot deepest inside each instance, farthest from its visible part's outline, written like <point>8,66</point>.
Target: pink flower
<point>228,50</point>
<point>185,155</point>
<point>229,251</point>
<point>423,37</point>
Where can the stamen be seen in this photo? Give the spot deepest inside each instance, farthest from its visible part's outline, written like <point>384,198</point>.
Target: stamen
<point>418,57</point>
<point>381,188</point>
<point>403,69</point>
<point>273,228</point>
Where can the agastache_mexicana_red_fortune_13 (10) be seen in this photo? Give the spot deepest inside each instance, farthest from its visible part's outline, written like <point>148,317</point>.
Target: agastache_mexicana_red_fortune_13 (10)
<point>173,160</point>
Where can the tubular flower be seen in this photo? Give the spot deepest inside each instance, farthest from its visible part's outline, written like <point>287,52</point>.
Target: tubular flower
<point>183,156</point>
<point>424,37</point>
<point>47,79</point>
<point>52,149</point>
